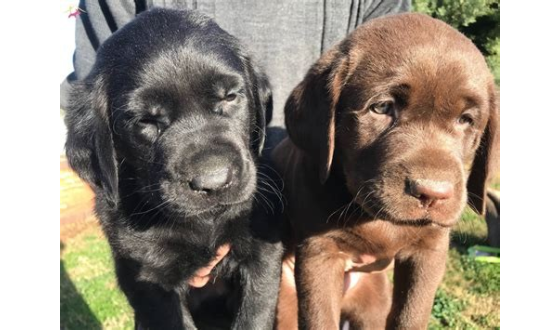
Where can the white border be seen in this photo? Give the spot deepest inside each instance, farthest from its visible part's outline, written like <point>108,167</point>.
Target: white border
<point>530,145</point>
<point>29,132</point>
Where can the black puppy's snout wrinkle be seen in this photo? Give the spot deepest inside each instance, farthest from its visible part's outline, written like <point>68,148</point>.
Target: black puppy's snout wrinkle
<point>212,180</point>
<point>212,172</point>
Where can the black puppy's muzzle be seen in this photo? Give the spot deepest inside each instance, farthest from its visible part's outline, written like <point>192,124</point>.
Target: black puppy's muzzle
<point>212,180</point>
<point>212,174</point>
<point>207,176</point>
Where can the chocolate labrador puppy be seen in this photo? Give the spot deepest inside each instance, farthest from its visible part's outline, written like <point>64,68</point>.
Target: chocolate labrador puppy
<point>391,133</point>
<point>167,129</point>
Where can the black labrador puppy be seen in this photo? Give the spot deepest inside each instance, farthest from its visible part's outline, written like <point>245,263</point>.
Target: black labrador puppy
<point>167,130</point>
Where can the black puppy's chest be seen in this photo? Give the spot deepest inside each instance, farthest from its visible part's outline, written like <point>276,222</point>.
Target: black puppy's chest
<point>171,255</point>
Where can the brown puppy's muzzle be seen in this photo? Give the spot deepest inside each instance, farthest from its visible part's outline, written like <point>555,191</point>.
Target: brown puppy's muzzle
<point>430,193</point>
<point>414,182</point>
<point>433,187</point>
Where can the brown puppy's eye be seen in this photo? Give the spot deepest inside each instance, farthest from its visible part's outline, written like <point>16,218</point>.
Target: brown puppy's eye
<point>466,119</point>
<point>231,97</point>
<point>383,108</point>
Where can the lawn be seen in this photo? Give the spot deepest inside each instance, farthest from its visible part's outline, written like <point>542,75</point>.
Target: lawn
<point>89,296</point>
<point>469,297</point>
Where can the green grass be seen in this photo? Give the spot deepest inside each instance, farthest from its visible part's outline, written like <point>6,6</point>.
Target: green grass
<point>468,298</point>
<point>89,297</point>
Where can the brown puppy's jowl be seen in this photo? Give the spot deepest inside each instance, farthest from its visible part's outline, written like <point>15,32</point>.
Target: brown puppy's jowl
<point>390,134</point>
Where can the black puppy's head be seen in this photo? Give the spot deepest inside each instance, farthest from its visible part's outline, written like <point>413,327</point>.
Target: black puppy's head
<point>173,114</point>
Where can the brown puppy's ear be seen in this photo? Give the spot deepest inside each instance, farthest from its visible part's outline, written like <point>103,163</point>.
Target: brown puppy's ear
<point>486,158</point>
<point>89,143</point>
<point>310,110</point>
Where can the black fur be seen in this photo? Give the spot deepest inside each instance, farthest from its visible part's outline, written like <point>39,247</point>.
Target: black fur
<point>153,114</point>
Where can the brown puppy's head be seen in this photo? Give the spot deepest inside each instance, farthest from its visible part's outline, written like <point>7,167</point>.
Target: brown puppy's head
<point>406,109</point>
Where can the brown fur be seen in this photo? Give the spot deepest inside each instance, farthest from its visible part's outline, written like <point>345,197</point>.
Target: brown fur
<point>352,176</point>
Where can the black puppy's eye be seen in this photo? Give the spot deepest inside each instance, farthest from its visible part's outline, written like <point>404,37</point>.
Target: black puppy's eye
<point>466,119</point>
<point>231,97</point>
<point>383,108</point>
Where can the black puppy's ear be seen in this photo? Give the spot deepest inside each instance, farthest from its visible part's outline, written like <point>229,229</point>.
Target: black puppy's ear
<point>263,106</point>
<point>310,110</point>
<point>89,143</point>
<point>486,158</point>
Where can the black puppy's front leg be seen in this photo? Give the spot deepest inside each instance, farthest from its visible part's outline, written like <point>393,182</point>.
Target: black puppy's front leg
<point>154,306</point>
<point>260,282</point>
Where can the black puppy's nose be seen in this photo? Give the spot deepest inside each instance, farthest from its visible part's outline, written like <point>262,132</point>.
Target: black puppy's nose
<point>211,180</point>
<point>431,192</point>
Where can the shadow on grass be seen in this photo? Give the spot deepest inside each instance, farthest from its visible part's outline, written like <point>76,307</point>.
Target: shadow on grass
<point>474,229</point>
<point>462,241</point>
<point>74,311</point>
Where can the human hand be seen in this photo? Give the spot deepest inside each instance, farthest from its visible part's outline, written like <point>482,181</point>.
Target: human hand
<point>202,276</point>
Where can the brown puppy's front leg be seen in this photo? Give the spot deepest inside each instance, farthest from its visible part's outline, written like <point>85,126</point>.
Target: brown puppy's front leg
<point>367,304</point>
<point>417,276</point>
<point>319,274</point>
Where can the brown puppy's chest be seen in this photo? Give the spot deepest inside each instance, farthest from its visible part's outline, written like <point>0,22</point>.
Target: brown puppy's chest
<point>373,241</point>
<point>371,247</point>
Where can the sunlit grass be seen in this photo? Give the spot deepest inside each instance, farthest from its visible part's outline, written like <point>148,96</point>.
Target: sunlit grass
<point>89,296</point>
<point>468,298</point>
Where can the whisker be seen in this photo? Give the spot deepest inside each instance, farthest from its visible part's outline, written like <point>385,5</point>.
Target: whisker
<point>143,189</point>
<point>265,200</point>
<point>155,207</point>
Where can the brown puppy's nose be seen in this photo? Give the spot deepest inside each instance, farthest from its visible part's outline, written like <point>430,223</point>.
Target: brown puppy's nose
<point>211,180</point>
<point>430,192</point>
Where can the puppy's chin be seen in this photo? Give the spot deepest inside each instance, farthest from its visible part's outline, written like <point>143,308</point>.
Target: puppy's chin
<point>202,205</point>
<point>407,212</point>
<point>218,210</point>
